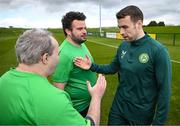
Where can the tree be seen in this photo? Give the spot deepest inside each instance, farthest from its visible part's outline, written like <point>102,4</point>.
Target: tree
<point>10,26</point>
<point>161,23</point>
<point>152,23</point>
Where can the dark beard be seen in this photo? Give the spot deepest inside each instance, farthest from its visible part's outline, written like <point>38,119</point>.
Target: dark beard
<point>78,41</point>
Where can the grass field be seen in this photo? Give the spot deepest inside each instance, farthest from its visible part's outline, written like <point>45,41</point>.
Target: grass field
<point>169,35</point>
<point>102,54</point>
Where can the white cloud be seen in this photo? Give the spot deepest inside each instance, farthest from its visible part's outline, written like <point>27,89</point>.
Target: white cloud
<point>16,22</point>
<point>48,13</point>
<point>21,22</point>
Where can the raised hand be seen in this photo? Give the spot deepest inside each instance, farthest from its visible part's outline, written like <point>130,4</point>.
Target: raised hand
<point>96,92</point>
<point>83,63</point>
<point>98,89</point>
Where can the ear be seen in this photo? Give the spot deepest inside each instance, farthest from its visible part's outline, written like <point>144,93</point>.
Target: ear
<point>44,58</point>
<point>139,24</point>
<point>68,31</point>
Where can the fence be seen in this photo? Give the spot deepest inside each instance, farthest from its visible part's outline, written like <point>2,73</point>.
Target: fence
<point>169,38</point>
<point>165,38</point>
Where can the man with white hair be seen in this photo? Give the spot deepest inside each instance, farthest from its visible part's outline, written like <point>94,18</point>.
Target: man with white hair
<point>27,97</point>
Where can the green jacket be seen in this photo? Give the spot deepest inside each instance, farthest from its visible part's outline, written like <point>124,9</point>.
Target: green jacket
<point>145,74</point>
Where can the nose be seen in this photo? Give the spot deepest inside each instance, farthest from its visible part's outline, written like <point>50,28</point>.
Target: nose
<point>84,31</point>
<point>121,30</point>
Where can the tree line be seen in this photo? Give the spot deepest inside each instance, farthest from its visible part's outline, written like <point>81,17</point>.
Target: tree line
<point>154,23</point>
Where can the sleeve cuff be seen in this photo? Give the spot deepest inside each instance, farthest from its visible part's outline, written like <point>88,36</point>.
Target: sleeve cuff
<point>91,120</point>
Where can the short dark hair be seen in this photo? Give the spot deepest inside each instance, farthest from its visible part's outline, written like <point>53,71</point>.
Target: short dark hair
<point>133,11</point>
<point>69,18</point>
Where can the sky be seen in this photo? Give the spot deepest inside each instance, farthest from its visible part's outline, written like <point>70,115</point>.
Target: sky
<point>48,13</point>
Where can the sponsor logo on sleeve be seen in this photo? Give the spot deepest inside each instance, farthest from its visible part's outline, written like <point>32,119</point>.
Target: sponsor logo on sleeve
<point>123,53</point>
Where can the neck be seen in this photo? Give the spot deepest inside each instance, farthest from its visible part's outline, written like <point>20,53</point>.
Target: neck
<point>141,34</point>
<point>34,68</point>
<point>72,42</point>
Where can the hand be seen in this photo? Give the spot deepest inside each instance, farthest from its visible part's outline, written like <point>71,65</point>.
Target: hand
<point>83,63</point>
<point>99,88</point>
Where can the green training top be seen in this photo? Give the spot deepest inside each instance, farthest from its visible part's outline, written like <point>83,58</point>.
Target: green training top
<point>145,73</point>
<point>29,99</point>
<point>75,77</point>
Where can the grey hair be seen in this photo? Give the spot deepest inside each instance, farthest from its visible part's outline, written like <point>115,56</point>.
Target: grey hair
<point>32,44</point>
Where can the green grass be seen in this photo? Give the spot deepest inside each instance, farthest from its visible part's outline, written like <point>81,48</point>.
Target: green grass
<point>174,114</point>
<point>164,34</point>
<point>7,53</point>
<point>156,29</point>
<point>102,55</point>
<point>162,29</point>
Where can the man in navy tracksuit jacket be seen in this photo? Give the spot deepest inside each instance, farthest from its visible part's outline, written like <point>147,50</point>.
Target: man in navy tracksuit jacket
<point>144,71</point>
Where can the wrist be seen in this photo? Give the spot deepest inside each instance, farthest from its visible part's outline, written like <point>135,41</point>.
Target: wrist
<point>96,98</point>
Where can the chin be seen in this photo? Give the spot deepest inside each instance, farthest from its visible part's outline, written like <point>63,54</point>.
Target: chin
<point>126,39</point>
<point>82,41</point>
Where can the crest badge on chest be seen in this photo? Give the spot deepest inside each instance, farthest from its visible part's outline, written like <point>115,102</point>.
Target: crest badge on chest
<point>143,58</point>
